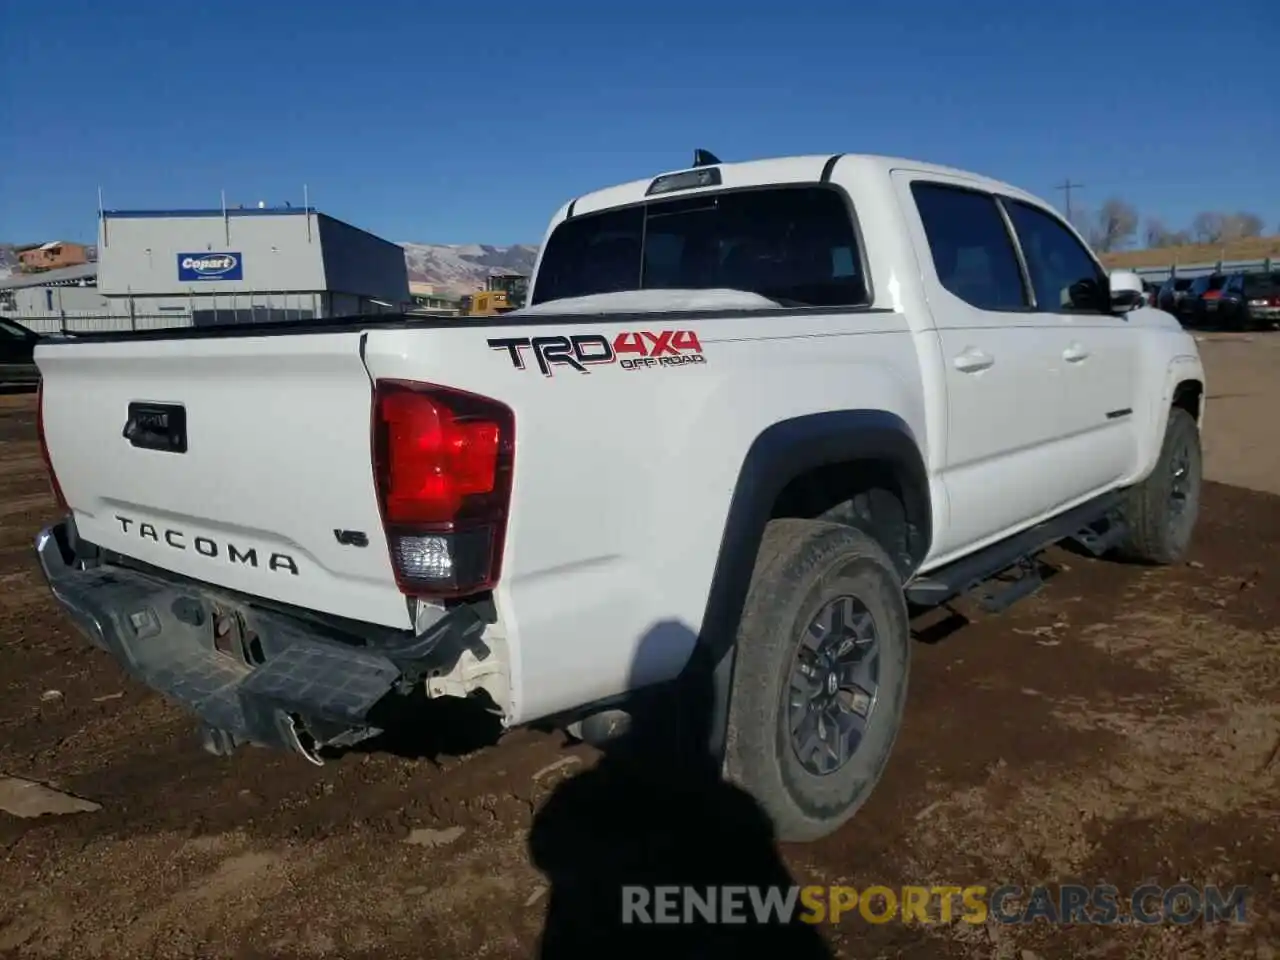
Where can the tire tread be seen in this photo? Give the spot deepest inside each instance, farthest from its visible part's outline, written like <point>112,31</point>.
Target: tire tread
<point>1147,509</point>
<point>794,556</point>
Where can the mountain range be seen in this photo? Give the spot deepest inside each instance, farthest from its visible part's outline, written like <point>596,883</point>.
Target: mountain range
<point>450,267</point>
<point>462,268</point>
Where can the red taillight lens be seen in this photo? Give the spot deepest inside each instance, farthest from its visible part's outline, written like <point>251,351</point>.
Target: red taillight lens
<point>44,448</point>
<point>442,461</point>
<point>435,458</point>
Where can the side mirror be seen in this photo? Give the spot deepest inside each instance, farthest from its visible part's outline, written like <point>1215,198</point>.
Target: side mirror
<point>1126,291</point>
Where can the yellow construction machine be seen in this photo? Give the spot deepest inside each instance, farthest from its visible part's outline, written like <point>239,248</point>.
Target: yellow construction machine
<point>502,294</point>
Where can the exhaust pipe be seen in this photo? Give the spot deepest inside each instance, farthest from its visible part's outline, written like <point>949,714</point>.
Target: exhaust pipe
<point>300,740</point>
<point>600,728</point>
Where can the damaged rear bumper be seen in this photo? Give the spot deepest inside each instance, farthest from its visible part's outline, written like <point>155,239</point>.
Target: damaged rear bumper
<point>251,674</point>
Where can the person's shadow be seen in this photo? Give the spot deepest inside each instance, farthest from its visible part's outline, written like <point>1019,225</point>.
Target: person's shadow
<point>655,812</point>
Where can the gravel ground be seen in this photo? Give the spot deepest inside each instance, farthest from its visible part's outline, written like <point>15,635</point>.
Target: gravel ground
<point>1121,726</point>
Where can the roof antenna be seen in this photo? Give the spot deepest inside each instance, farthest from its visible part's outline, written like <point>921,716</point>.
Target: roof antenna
<point>704,158</point>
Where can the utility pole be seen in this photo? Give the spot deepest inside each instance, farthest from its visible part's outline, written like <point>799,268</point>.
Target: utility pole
<point>1066,187</point>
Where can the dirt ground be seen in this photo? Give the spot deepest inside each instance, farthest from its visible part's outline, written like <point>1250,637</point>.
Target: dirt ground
<point>1242,440</point>
<point>1122,726</point>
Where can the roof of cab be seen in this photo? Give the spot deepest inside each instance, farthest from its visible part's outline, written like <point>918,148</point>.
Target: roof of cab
<point>808,168</point>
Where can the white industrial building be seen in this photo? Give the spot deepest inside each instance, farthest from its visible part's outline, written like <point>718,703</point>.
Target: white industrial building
<point>165,268</point>
<point>52,294</point>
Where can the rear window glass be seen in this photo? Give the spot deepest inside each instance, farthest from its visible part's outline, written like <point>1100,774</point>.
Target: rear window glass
<point>1207,283</point>
<point>1260,285</point>
<point>794,245</point>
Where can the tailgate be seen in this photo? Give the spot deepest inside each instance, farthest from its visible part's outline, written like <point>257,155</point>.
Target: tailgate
<point>274,486</point>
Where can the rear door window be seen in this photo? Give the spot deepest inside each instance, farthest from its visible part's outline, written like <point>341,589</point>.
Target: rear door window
<point>794,245</point>
<point>972,251</point>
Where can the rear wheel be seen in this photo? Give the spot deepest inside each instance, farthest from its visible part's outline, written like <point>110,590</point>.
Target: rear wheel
<point>1161,511</point>
<point>820,675</point>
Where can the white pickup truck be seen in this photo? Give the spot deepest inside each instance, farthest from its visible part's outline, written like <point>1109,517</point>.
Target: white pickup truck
<point>753,414</point>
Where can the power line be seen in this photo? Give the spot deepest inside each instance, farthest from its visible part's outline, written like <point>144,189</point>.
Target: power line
<point>1066,187</point>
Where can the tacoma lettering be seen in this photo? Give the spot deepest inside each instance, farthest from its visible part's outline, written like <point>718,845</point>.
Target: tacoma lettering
<point>250,556</point>
<point>207,547</point>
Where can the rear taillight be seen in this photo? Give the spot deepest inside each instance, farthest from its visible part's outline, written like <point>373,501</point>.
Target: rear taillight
<point>442,462</point>
<point>44,449</point>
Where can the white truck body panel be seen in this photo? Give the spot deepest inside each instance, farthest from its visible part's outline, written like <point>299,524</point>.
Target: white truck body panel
<point>621,492</point>
<point>278,430</point>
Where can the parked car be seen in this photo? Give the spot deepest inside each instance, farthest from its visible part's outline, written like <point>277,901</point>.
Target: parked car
<point>1172,292</point>
<point>17,349</point>
<point>1250,301</point>
<point>724,475</point>
<point>1200,306</point>
<point>1151,291</point>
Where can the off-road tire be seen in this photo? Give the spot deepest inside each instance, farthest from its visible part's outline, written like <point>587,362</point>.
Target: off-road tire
<point>1158,532</point>
<point>802,565</point>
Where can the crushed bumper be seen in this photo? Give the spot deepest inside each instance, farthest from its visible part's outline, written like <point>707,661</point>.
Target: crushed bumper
<point>252,675</point>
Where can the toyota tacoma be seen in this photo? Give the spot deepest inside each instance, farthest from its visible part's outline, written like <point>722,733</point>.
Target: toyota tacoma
<point>754,416</point>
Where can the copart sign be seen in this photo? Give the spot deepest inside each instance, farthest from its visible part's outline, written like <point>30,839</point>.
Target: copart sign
<point>210,266</point>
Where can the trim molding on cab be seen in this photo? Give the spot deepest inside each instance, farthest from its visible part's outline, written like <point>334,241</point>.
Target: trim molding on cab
<point>356,324</point>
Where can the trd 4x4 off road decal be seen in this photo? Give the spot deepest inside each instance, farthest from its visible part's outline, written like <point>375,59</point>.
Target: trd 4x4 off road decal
<point>631,351</point>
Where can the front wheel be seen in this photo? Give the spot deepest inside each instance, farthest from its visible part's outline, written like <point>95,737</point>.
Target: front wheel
<point>820,675</point>
<point>1161,510</point>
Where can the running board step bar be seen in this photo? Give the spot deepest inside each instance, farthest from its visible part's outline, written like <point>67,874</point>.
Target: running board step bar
<point>968,573</point>
<point>1098,542</point>
<point>998,595</point>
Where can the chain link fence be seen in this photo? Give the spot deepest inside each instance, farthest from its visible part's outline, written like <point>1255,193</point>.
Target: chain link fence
<point>75,322</point>
<point>139,314</point>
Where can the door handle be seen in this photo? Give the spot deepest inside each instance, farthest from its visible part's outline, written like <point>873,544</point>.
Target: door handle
<point>973,360</point>
<point>1075,353</point>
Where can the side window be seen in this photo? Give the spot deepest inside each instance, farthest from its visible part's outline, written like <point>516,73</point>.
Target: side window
<point>970,246</point>
<point>1063,274</point>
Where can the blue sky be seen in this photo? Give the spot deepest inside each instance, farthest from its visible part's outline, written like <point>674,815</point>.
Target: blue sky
<point>472,121</point>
